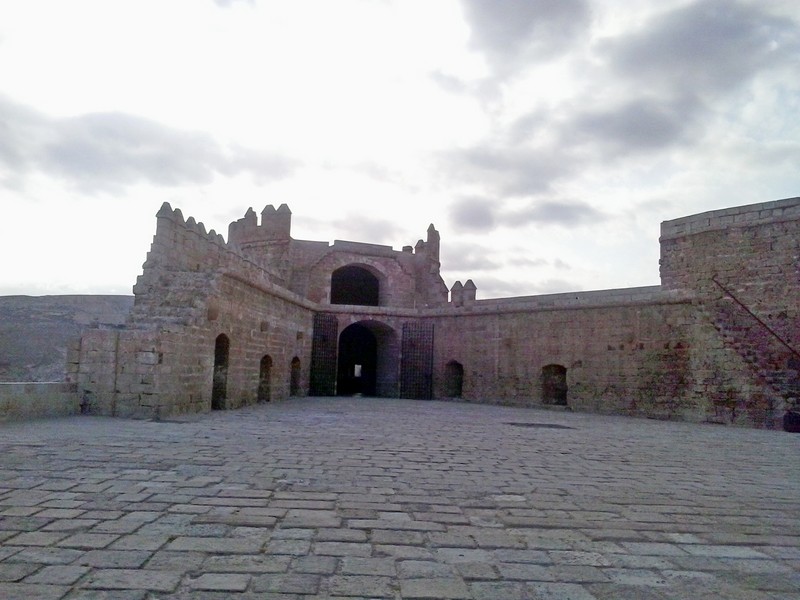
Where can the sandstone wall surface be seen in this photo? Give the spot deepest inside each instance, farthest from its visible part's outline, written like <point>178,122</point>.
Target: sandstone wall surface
<point>743,264</point>
<point>715,342</point>
<point>194,289</point>
<point>27,401</point>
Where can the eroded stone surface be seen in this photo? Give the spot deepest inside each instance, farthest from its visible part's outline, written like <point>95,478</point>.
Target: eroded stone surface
<point>264,317</point>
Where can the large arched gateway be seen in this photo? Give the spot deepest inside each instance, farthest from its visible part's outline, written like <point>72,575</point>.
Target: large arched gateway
<point>368,360</point>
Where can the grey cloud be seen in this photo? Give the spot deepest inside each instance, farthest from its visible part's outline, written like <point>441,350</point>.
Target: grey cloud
<point>20,130</point>
<point>566,213</point>
<point>468,258</point>
<point>103,151</point>
<point>262,166</point>
<point>383,174</point>
<point>360,227</point>
<point>638,125</point>
<point>525,127</point>
<point>555,286</point>
<point>524,261</point>
<point>560,264</point>
<point>773,154</point>
<point>512,31</point>
<point>710,45</point>
<point>449,83</point>
<point>473,214</point>
<point>512,170</point>
<point>229,3</point>
<point>494,287</point>
<point>481,214</point>
<point>98,149</point>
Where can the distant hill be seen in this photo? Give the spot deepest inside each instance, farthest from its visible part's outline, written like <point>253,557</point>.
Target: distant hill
<point>35,331</point>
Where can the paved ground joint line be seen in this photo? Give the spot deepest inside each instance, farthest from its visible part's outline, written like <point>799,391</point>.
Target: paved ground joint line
<point>376,498</point>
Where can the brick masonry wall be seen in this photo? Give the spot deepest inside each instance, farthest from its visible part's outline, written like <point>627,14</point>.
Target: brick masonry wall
<point>154,374</point>
<point>193,289</point>
<point>259,323</point>
<point>753,251</point>
<point>743,265</point>
<point>678,351</point>
<point>395,273</point>
<point>649,358</point>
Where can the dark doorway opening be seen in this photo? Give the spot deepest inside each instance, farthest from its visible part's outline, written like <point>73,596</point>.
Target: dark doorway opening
<point>264,376</point>
<point>453,379</point>
<point>294,377</point>
<point>220,383</point>
<point>554,385</point>
<point>358,360</point>
<point>354,285</point>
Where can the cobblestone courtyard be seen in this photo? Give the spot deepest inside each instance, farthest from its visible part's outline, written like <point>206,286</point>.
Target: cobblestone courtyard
<point>376,498</point>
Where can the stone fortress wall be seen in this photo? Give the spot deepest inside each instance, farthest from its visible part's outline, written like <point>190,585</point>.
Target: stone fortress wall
<point>265,317</point>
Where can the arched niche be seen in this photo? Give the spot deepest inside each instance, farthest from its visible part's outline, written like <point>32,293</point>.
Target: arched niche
<point>453,379</point>
<point>264,379</point>
<point>355,284</point>
<point>219,387</point>
<point>295,371</point>
<point>554,385</point>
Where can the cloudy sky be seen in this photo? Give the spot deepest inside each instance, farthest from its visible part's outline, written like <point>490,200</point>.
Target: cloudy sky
<point>545,139</point>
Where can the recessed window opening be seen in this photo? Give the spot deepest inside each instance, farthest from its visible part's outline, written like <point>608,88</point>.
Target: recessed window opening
<point>354,285</point>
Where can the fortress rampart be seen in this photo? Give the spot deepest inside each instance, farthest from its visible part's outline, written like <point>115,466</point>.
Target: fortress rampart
<point>264,317</point>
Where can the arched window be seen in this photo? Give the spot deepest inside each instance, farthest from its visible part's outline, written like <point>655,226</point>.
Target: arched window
<point>355,285</point>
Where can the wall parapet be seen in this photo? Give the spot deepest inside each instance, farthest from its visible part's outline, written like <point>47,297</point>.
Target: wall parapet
<point>36,400</point>
<point>641,296</point>
<point>363,248</point>
<point>590,299</point>
<point>752,214</point>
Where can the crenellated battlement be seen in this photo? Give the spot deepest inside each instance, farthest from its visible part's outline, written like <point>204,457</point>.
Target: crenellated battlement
<point>185,259</point>
<point>739,216</point>
<point>275,226</point>
<point>718,340</point>
<point>167,214</point>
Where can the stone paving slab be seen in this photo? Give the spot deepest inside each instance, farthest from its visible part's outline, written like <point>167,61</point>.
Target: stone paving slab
<point>374,498</point>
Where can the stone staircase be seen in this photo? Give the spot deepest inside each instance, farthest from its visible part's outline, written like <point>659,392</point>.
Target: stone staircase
<point>772,360</point>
